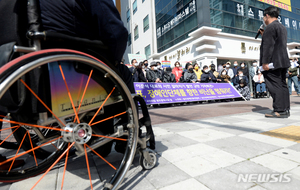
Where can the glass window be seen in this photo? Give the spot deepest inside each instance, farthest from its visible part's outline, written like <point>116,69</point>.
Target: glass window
<point>129,39</point>
<point>136,32</point>
<point>147,51</point>
<point>146,23</point>
<point>143,1</point>
<point>128,15</point>
<point>134,6</point>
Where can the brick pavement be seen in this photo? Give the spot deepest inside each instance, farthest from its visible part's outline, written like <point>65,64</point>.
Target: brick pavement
<point>209,152</point>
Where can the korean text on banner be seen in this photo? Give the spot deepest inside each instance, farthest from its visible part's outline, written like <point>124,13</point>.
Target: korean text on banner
<point>159,93</point>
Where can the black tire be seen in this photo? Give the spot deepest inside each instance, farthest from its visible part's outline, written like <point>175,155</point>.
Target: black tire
<point>143,162</point>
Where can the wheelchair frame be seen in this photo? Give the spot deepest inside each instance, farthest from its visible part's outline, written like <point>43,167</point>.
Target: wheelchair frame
<point>71,132</point>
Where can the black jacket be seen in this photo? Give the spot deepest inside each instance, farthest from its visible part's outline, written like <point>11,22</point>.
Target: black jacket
<point>153,75</point>
<point>95,20</point>
<point>141,76</point>
<point>205,77</point>
<point>134,72</point>
<point>168,77</point>
<point>273,46</point>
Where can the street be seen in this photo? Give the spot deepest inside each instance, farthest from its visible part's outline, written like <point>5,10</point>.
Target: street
<point>205,146</point>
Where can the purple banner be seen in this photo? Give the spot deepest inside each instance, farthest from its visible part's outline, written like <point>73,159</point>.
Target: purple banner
<point>160,93</point>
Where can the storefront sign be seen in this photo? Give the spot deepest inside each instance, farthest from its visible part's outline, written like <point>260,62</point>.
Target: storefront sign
<point>179,53</point>
<point>283,4</point>
<point>178,17</point>
<point>160,93</point>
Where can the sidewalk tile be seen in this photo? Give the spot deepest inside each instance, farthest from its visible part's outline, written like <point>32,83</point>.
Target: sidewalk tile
<point>177,154</point>
<point>295,173</point>
<point>222,179</point>
<point>204,135</point>
<point>295,147</point>
<point>222,158</point>
<point>233,129</point>
<point>257,187</point>
<point>200,149</point>
<point>5,186</point>
<point>166,175</point>
<point>196,166</point>
<point>248,167</point>
<point>272,162</point>
<point>178,140</point>
<point>136,182</point>
<point>293,185</point>
<point>268,139</point>
<point>178,126</point>
<point>160,131</point>
<point>288,154</point>
<point>187,184</point>
<point>47,183</point>
<point>262,125</point>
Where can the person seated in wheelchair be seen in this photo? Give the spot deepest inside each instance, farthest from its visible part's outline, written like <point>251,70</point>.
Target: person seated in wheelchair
<point>93,20</point>
<point>260,85</point>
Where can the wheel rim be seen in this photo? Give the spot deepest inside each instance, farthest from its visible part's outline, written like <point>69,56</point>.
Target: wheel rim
<point>79,131</point>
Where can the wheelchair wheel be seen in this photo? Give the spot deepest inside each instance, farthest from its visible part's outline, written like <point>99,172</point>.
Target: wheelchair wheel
<point>78,104</point>
<point>153,160</point>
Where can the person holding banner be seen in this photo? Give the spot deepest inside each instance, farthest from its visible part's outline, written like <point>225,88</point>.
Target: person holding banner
<point>223,78</point>
<point>197,71</point>
<point>207,76</point>
<point>189,74</point>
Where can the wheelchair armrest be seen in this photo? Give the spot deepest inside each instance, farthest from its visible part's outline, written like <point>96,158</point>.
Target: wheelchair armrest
<point>59,37</point>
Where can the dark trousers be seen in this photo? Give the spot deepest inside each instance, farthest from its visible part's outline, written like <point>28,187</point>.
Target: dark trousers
<point>276,83</point>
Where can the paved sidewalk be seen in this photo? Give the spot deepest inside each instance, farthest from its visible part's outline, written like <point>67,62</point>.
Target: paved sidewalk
<point>207,153</point>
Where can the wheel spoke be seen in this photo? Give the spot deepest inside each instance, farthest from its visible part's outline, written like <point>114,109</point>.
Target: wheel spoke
<point>88,166</point>
<point>58,159</point>
<point>32,125</point>
<point>63,76</point>
<point>9,128</point>
<point>66,161</point>
<point>12,163</point>
<point>41,101</point>
<point>102,105</point>
<point>101,157</point>
<point>28,151</point>
<point>32,148</point>
<point>87,83</point>
<point>108,118</point>
<point>9,136</point>
<point>108,137</point>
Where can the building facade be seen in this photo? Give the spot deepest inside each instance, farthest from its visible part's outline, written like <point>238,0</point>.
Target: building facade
<point>138,18</point>
<point>215,31</point>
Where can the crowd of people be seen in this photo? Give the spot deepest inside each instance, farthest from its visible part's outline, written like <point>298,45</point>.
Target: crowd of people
<point>192,73</point>
<point>239,75</point>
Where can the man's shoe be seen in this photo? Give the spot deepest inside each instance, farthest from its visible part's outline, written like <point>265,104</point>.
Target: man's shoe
<point>275,114</point>
<point>288,112</point>
<point>6,166</point>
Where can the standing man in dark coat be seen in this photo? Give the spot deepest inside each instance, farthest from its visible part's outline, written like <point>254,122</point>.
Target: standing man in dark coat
<point>273,50</point>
